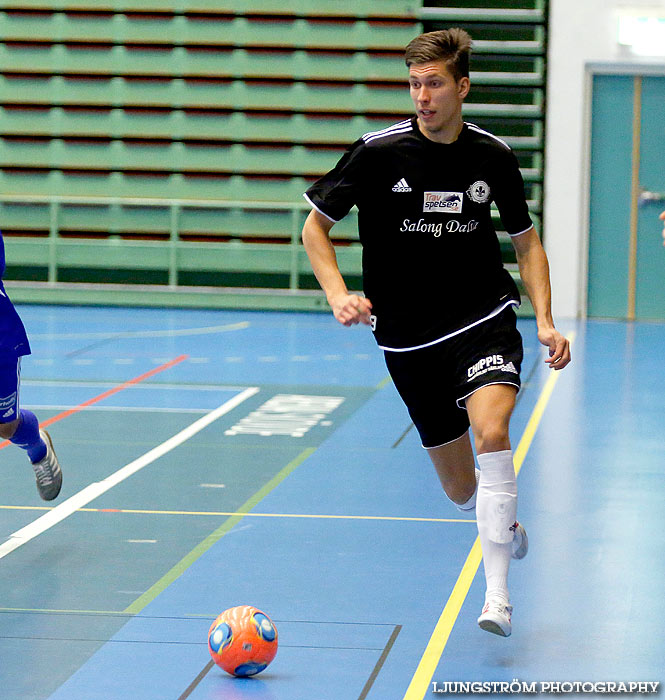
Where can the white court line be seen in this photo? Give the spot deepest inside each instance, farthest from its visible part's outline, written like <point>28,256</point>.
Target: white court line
<point>120,409</point>
<point>89,493</point>
<point>162,333</point>
<point>63,383</point>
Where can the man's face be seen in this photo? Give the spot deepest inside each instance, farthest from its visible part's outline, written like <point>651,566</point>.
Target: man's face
<point>437,97</point>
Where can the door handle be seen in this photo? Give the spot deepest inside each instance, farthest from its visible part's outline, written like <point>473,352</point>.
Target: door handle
<point>646,197</point>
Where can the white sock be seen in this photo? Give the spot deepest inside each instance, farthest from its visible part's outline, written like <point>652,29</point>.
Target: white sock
<point>497,476</point>
<point>470,505</point>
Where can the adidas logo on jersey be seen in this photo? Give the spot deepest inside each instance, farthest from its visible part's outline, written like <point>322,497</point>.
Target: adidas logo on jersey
<point>510,367</point>
<point>401,186</point>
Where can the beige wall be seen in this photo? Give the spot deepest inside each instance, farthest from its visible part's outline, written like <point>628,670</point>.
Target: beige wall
<point>580,31</point>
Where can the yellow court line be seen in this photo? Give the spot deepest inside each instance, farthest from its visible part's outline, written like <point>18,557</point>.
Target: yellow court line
<point>57,611</point>
<point>319,516</point>
<point>384,382</point>
<point>109,613</point>
<point>27,507</point>
<point>437,643</point>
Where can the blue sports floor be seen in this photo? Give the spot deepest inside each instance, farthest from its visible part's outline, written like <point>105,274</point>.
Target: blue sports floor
<point>213,459</point>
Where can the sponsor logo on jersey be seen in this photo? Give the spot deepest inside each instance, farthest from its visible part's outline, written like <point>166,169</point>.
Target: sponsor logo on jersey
<point>479,192</point>
<point>456,226</point>
<point>443,202</point>
<point>8,401</point>
<point>487,364</point>
<point>422,227</point>
<point>401,186</point>
<point>8,413</point>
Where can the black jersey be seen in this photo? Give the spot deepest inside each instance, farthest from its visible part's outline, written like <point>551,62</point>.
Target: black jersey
<point>431,257</point>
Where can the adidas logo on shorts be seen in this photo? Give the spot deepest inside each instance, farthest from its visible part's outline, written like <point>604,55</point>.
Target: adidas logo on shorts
<point>401,186</point>
<point>489,364</point>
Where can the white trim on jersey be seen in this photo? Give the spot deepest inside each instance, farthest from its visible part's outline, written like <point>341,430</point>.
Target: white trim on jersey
<point>319,210</point>
<point>18,388</point>
<point>496,312</point>
<point>513,235</point>
<point>473,127</point>
<point>403,130</point>
<point>399,128</point>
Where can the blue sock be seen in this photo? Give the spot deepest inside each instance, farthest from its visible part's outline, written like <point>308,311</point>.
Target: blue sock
<point>27,437</point>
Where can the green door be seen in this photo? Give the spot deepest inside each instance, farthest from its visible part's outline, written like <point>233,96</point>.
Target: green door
<point>627,192</point>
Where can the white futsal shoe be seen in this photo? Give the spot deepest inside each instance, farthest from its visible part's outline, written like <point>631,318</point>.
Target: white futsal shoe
<point>47,471</point>
<point>520,542</point>
<point>495,617</point>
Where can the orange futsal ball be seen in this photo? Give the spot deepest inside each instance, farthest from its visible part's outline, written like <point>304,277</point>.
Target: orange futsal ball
<point>242,640</point>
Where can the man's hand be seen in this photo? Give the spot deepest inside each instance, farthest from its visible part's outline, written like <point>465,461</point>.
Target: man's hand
<point>662,218</point>
<point>350,309</point>
<point>559,347</point>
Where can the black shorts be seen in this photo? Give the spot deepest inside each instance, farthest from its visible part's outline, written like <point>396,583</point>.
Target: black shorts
<point>435,381</point>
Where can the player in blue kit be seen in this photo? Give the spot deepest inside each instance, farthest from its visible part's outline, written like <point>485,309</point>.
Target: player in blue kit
<point>437,297</point>
<point>18,425</point>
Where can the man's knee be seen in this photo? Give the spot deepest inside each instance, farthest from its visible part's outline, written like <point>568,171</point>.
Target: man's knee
<point>492,436</point>
<point>7,430</point>
<point>489,411</point>
<point>455,467</point>
<point>460,493</point>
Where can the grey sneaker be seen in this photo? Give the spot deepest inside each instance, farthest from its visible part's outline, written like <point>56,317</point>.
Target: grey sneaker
<point>47,471</point>
<point>495,617</point>
<point>520,542</point>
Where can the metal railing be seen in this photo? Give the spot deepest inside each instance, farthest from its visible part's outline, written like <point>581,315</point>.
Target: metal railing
<point>174,242</point>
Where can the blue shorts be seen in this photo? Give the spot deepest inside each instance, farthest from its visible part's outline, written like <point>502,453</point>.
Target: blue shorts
<point>10,380</point>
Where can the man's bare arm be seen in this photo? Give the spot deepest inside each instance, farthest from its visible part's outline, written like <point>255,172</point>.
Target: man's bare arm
<point>348,309</point>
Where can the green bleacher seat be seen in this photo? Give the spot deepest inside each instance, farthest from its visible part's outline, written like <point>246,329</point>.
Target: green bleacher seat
<point>176,136</point>
<point>398,9</point>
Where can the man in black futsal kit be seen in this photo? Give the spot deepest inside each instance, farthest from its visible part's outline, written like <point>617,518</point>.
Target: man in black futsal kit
<point>438,298</point>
